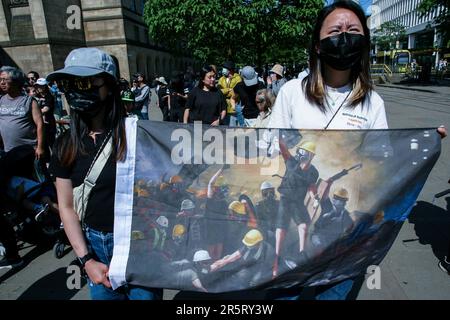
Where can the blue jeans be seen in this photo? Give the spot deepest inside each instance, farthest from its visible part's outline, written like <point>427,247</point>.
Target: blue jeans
<point>236,119</point>
<point>338,291</point>
<point>145,116</point>
<point>239,116</point>
<point>101,245</point>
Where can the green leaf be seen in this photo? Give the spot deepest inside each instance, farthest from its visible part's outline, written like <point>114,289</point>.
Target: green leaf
<point>253,31</point>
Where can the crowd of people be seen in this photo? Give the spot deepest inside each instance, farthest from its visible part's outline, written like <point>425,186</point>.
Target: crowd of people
<point>230,96</point>
<point>336,84</point>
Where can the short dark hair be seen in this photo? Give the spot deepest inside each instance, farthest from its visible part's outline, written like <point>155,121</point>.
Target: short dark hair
<point>139,74</point>
<point>35,74</point>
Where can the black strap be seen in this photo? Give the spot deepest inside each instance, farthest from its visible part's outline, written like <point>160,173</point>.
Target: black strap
<point>98,153</point>
<point>338,110</point>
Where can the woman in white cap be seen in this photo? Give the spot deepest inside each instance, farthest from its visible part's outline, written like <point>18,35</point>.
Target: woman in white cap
<point>97,128</point>
<point>163,98</point>
<point>46,103</point>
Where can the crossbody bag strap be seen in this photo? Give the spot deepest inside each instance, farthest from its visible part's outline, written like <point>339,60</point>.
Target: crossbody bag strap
<point>99,163</point>
<point>94,172</point>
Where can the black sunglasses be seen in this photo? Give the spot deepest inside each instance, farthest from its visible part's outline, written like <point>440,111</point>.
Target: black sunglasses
<point>260,99</point>
<point>79,84</point>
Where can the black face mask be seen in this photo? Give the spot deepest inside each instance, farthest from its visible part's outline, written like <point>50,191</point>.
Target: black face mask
<point>342,51</point>
<point>86,103</point>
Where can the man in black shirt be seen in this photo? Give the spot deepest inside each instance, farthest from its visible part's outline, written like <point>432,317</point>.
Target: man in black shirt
<point>299,180</point>
<point>163,98</point>
<point>266,211</point>
<point>46,103</point>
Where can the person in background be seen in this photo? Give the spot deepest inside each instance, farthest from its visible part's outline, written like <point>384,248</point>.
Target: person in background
<point>163,98</point>
<point>176,99</point>
<point>276,79</point>
<point>127,98</point>
<point>57,94</point>
<point>30,91</point>
<point>134,85</point>
<point>46,103</point>
<point>246,90</point>
<point>206,103</point>
<point>143,96</point>
<point>226,84</point>
<point>32,77</point>
<point>21,132</point>
<point>124,85</point>
<point>20,116</point>
<point>265,101</point>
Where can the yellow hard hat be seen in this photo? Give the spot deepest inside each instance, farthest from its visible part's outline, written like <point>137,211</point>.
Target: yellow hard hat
<point>237,207</point>
<point>252,238</point>
<point>341,193</point>
<point>137,235</point>
<point>141,182</point>
<point>309,146</point>
<point>175,179</point>
<point>143,193</point>
<point>220,181</point>
<point>178,230</point>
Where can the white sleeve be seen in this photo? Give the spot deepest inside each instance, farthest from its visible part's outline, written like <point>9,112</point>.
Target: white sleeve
<point>379,120</point>
<point>281,113</point>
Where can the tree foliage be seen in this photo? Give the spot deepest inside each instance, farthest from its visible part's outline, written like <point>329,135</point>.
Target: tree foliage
<point>389,33</point>
<point>247,31</point>
<point>442,20</point>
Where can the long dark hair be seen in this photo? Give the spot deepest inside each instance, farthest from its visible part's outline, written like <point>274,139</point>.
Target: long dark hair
<point>72,144</point>
<point>360,77</point>
<point>205,70</point>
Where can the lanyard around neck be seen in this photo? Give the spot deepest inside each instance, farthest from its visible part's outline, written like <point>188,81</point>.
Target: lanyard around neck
<point>342,104</point>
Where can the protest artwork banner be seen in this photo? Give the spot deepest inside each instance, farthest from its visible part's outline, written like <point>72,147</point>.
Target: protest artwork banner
<point>218,209</point>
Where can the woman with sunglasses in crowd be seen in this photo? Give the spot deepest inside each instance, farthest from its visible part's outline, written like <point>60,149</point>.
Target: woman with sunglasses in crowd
<point>337,89</point>
<point>98,117</point>
<point>265,101</point>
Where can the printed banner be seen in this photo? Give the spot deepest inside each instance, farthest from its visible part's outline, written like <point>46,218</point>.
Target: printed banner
<point>224,209</point>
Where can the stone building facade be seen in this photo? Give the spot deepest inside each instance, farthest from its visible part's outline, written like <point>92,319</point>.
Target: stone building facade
<point>38,35</point>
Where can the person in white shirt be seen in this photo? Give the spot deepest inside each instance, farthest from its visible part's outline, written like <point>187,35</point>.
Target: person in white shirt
<point>336,94</point>
<point>264,100</point>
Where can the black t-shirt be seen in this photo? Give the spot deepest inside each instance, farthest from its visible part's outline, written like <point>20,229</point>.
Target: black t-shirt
<point>266,211</point>
<point>163,92</point>
<point>49,116</point>
<point>100,209</point>
<point>205,106</point>
<point>296,181</point>
<point>177,103</point>
<point>247,96</point>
